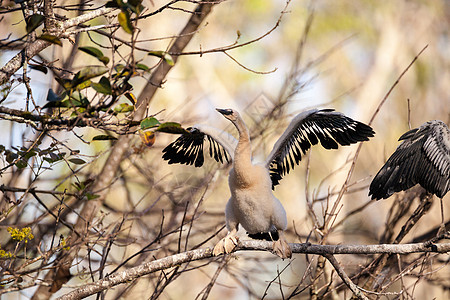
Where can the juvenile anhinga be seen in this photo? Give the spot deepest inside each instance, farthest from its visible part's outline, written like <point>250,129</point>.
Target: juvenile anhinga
<point>252,203</point>
<point>422,158</point>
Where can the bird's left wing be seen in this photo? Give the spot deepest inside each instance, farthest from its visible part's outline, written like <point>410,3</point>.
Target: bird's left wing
<point>307,129</point>
<point>188,148</point>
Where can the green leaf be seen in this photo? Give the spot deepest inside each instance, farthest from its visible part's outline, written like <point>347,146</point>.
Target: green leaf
<point>149,123</point>
<point>92,51</point>
<point>171,127</point>
<point>136,6</point>
<point>29,154</point>
<point>38,68</point>
<point>51,38</point>
<point>84,85</point>
<point>103,86</point>
<point>125,21</point>
<point>77,96</point>
<point>103,137</point>
<point>65,83</point>
<point>164,55</point>
<point>34,21</point>
<point>122,71</point>
<point>88,73</point>
<point>157,53</point>
<point>169,60</point>
<point>76,100</point>
<point>104,60</point>
<point>78,186</point>
<point>76,112</point>
<point>119,68</point>
<point>55,157</point>
<point>123,108</point>
<point>97,53</point>
<point>142,67</point>
<point>21,164</point>
<point>90,196</point>
<point>10,156</point>
<point>77,161</point>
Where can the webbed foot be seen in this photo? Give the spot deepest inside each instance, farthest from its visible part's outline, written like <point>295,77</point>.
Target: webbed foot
<point>282,248</point>
<point>226,245</point>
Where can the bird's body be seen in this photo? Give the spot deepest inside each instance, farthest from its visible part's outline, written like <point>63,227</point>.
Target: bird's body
<point>252,203</point>
<point>422,158</point>
<point>256,214</point>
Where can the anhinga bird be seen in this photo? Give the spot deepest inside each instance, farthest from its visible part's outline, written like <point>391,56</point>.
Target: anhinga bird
<point>422,158</point>
<point>252,203</point>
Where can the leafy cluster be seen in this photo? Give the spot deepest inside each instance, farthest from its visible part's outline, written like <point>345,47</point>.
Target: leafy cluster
<point>20,156</point>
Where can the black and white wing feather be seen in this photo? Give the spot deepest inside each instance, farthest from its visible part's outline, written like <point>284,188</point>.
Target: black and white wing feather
<point>308,128</point>
<point>422,158</point>
<point>189,147</point>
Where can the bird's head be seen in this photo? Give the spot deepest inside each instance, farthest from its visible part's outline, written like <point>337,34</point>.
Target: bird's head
<point>229,113</point>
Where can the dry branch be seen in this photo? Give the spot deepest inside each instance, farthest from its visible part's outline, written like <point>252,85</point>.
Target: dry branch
<point>353,287</point>
<point>193,255</point>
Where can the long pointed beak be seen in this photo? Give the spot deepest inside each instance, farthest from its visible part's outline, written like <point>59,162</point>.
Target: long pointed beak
<point>224,112</point>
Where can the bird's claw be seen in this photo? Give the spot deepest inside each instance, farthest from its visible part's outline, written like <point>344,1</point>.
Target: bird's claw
<point>226,245</point>
<point>282,248</point>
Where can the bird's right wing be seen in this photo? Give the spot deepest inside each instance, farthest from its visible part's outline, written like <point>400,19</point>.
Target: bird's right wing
<point>423,157</point>
<point>188,148</point>
<point>329,127</point>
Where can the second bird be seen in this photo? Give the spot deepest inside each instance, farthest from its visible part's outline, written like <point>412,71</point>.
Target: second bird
<point>252,203</point>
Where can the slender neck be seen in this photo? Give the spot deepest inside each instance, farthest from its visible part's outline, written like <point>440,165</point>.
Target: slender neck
<point>243,153</point>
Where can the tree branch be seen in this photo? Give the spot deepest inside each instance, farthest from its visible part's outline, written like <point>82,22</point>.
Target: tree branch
<point>46,121</point>
<point>353,287</point>
<point>193,255</point>
<point>37,46</point>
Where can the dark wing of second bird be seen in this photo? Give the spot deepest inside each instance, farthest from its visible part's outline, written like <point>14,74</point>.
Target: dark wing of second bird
<point>423,157</point>
<point>307,129</point>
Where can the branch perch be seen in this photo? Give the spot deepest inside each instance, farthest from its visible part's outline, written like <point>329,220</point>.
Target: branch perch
<point>198,254</point>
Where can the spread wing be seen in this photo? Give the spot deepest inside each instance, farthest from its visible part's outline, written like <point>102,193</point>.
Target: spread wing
<point>307,129</point>
<point>423,157</point>
<point>188,148</point>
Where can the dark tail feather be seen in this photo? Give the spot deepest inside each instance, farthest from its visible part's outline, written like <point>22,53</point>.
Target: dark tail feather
<point>268,236</point>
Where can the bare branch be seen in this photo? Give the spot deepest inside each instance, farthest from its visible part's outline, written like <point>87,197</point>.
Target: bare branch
<point>193,255</point>
<point>353,287</point>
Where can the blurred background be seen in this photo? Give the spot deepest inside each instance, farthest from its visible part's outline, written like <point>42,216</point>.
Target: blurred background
<point>344,55</point>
